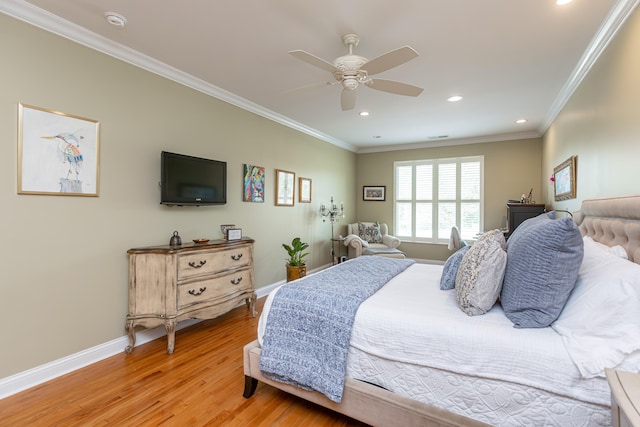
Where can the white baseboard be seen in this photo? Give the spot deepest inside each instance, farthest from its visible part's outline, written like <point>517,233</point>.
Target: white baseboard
<point>23,380</point>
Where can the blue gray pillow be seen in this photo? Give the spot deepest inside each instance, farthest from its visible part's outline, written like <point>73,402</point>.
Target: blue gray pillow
<point>543,259</point>
<point>448,279</point>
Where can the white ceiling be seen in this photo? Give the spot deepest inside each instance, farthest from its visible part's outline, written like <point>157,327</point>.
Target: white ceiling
<point>509,59</point>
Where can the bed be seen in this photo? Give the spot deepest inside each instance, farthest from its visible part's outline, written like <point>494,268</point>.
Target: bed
<point>421,355</point>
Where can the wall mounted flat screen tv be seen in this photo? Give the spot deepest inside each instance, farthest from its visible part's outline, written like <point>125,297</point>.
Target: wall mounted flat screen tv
<point>188,180</point>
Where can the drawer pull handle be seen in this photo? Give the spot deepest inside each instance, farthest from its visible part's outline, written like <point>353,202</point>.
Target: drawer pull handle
<point>194,265</point>
<point>236,281</point>
<point>236,257</point>
<point>196,293</point>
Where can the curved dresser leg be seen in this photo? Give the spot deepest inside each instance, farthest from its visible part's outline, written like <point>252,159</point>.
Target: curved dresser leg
<point>251,303</point>
<point>131,331</point>
<point>170,326</point>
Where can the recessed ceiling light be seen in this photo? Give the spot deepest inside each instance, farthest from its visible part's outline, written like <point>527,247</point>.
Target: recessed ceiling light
<point>520,121</point>
<point>562,2</point>
<point>454,98</point>
<point>364,113</point>
<point>115,19</point>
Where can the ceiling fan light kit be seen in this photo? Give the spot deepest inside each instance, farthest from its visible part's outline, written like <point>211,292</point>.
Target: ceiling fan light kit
<point>353,70</point>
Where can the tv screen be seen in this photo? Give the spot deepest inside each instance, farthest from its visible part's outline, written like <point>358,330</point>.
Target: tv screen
<point>188,180</point>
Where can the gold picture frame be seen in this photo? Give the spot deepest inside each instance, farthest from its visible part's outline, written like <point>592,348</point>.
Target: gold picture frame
<point>564,180</point>
<point>58,153</point>
<point>304,190</point>
<point>285,188</point>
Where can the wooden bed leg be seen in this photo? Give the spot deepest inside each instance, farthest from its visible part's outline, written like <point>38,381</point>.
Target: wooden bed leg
<point>250,385</point>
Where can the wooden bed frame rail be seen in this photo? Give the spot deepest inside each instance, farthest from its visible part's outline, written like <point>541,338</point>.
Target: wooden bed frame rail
<point>362,401</point>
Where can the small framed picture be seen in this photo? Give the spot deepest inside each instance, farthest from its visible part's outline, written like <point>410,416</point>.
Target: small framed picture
<point>374,193</point>
<point>285,188</point>
<point>304,187</point>
<point>253,184</point>
<point>234,234</point>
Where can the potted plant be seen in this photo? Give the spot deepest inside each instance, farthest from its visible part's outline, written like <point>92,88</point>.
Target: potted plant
<point>296,266</point>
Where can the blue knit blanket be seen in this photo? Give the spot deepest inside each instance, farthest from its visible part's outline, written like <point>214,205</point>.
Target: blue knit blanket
<point>309,324</point>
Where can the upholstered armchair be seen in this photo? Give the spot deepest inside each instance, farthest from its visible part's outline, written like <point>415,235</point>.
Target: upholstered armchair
<point>362,236</point>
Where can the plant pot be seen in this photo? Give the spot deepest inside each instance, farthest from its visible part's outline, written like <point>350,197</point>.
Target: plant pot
<point>295,272</point>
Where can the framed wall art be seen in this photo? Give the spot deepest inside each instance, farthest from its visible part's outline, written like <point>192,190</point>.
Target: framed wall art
<point>304,189</point>
<point>285,187</point>
<point>374,193</point>
<point>564,180</point>
<point>253,184</point>
<point>58,153</point>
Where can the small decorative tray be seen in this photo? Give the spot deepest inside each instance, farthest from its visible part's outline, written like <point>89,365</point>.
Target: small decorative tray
<point>200,240</point>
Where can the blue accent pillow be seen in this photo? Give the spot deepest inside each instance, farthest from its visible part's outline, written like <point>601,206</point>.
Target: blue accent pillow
<point>543,259</point>
<point>448,279</point>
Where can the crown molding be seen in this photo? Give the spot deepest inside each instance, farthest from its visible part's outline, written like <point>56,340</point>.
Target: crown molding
<point>47,21</point>
<point>607,31</point>
<point>452,142</point>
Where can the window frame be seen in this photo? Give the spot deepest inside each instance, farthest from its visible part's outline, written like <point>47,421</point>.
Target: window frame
<point>435,200</point>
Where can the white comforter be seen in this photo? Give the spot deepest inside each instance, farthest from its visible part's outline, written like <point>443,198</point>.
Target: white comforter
<point>411,320</point>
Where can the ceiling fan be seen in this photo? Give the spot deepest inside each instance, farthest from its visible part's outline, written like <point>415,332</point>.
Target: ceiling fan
<point>352,70</point>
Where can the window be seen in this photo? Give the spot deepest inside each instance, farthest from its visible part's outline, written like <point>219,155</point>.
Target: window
<point>431,196</point>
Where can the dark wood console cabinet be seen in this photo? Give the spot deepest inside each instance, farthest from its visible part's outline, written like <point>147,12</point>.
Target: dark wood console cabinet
<point>517,213</point>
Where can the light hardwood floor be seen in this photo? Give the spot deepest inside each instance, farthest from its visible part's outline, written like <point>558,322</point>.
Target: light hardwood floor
<point>201,384</point>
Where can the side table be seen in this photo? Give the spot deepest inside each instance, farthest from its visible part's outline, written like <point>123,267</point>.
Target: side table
<point>625,398</point>
<point>336,256</point>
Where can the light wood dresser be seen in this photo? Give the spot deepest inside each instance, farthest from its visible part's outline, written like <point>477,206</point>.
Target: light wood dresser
<point>168,284</point>
<point>625,398</point>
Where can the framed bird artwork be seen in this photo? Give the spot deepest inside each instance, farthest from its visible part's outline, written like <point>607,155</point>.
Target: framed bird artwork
<point>58,153</point>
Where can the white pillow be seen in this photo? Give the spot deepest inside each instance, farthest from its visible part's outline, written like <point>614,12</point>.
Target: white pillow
<point>600,324</point>
<point>616,250</point>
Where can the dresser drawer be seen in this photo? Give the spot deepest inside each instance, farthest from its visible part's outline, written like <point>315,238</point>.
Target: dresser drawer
<point>219,287</point>
<point>213,261</point>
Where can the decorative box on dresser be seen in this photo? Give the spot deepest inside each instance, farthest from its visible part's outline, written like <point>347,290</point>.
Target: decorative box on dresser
<point>168,284</point>
<point>625,398</point>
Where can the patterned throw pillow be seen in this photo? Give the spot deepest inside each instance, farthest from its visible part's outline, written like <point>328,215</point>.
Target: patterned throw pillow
<point>479,278</point>
<point>370,234</point>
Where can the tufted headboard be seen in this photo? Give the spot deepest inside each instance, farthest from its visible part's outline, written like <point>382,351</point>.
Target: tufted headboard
<point>612,221</point>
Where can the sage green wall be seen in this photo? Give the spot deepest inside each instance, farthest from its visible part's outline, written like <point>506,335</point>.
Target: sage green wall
<point>65,270</point>
<point>510,169</point>
<point>600,125</point>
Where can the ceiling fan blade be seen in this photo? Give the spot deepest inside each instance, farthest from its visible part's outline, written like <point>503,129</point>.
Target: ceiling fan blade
<point>389,60</point>
<point>307,87</point>
<point>348,99</point>
<point>397,88</point>
<point>313,60</point>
